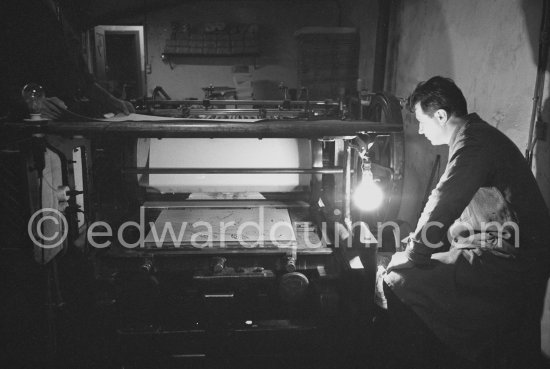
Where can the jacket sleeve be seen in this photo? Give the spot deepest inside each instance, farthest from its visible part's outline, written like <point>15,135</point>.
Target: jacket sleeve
<point>468,169</point>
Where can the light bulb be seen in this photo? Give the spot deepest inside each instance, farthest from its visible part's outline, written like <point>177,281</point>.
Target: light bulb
<point>33,95</point>
<point>368,195</point>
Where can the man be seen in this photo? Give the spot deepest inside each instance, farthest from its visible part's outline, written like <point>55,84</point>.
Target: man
<point>471,281</point>
<point>39,45</point>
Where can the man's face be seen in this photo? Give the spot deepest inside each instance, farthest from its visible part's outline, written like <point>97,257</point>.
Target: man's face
<point>431,127</point>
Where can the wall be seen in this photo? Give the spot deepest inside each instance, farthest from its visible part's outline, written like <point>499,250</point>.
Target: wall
<point>490,49</point>
<point>363,14</point>
<point>487,48</point>
<point>278,21</point>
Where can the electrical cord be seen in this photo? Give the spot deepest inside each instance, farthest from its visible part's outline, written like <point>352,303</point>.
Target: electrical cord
<point>539,83</point>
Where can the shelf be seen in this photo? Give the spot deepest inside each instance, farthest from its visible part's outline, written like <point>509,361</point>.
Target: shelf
<point>227,40</point>
<point>171,55</point>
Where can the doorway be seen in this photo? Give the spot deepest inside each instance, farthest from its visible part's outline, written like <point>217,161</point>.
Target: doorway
<point>119,60</point>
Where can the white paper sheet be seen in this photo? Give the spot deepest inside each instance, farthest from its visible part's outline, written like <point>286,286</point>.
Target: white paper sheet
<point>229,153</point>
<point>248,227</point>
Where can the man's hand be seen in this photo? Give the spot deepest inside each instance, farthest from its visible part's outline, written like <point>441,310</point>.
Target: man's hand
<point>53,108</point>
<point>130,107</point>
<point>109,102</point>
<point>398,261</point>
<point>121,106</point>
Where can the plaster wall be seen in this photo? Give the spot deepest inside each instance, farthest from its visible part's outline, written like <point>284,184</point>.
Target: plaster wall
<point>363,14</point>
<point>490,49</point>
<point>184,77</point>
<point>189,74</point>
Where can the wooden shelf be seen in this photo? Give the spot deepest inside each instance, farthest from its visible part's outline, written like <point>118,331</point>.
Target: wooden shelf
<point>230,40</point>
<point>171,54</point>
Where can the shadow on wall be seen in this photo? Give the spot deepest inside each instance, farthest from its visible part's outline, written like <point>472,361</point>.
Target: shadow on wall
<point>420,49</point>
<point>532,10</point>
<point>266,90</point>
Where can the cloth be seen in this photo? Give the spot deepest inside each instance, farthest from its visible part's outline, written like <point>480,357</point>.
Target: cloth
<point>409,343</point>
<point>489,222</point>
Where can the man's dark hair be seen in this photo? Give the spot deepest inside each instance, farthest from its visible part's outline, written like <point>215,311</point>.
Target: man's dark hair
<point>439,93</point>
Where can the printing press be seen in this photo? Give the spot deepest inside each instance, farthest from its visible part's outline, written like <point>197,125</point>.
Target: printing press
<point>232,235</point>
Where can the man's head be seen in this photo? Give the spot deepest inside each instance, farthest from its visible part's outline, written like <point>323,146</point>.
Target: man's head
<point>435,103</point>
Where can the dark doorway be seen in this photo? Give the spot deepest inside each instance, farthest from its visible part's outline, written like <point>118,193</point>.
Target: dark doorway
<point>120,60</point>
<point>122,65</point>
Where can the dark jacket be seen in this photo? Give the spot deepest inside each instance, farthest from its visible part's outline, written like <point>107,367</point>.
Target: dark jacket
<point>486,278</point>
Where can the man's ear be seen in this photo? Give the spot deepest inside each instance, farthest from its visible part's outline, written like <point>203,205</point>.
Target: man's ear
<point>441,116</point>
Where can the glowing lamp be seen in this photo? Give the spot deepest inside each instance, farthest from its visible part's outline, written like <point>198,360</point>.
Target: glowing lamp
<point>368,195</point>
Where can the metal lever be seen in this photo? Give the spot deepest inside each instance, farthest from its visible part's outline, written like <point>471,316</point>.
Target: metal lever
<point>286,98</point>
